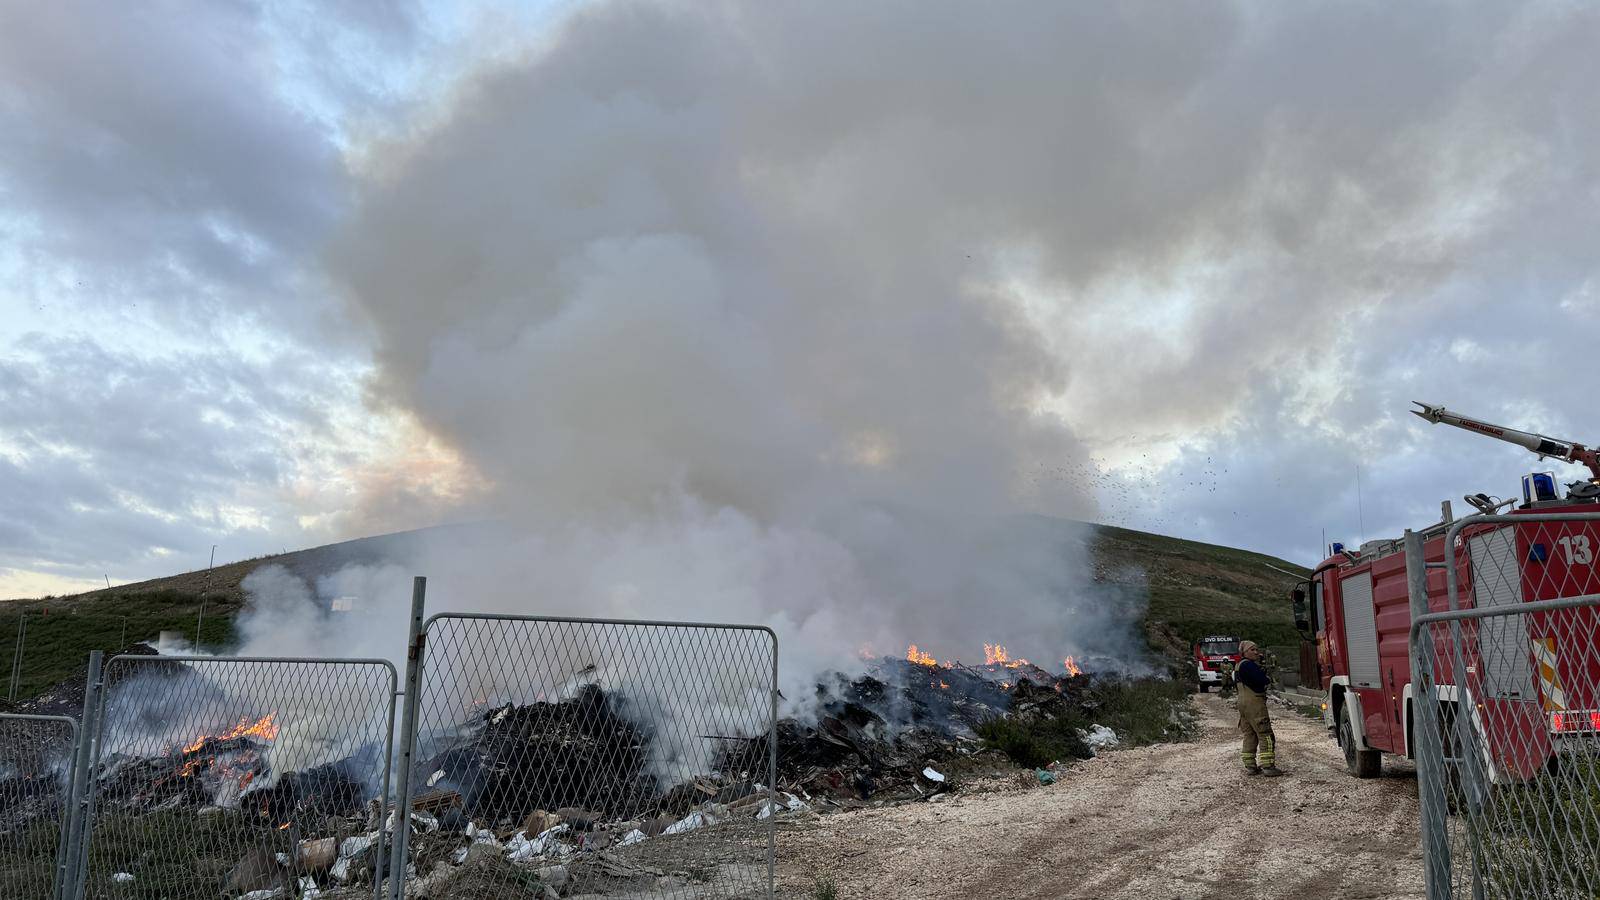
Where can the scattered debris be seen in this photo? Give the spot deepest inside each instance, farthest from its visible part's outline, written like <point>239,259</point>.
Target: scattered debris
<point>1100,737</point>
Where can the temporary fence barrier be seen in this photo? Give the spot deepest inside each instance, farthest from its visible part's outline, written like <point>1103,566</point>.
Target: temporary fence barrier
<point>231,776</point>
<point>36,759</point>
<point>1507,711</point>
<point>595,755</point>
<point>536,755</point>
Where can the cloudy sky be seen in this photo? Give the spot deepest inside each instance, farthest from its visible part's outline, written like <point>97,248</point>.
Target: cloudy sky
<point>278,274</point>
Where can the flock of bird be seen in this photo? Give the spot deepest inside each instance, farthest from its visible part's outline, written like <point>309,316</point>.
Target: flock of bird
<point>1143,493</point>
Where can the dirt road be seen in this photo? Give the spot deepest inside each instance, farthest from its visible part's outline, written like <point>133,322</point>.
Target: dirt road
<point>1170,821</point>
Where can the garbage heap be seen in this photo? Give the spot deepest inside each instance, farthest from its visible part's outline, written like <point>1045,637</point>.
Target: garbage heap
<point>547,798</point>
<point>896,732</point>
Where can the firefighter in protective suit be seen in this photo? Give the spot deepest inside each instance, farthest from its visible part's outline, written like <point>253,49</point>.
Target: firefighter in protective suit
<point>1259,749</point>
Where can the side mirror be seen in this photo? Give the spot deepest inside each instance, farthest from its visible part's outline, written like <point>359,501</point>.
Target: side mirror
<point>1302,618</point>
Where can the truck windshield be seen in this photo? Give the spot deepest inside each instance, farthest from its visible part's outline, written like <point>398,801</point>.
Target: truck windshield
<point>1220,648</point>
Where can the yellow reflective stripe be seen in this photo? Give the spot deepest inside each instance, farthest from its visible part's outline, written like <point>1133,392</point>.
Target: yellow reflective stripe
<point>1544,653</point>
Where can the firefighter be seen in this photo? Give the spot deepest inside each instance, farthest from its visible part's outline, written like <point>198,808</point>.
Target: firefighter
<point>1259,749</point>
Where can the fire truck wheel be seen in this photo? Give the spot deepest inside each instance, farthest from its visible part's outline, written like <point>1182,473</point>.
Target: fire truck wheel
<point>1360,763</point>
<point>1204,687</point>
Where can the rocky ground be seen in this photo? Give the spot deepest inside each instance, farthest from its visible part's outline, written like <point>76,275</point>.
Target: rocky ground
<point>1169,821</point>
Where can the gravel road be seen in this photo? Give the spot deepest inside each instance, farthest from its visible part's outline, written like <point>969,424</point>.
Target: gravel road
<point>1169,821</point>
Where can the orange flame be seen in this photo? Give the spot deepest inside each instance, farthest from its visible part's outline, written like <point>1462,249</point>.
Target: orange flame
<point>918,657</point>
<point>944,686</point>
<point>1072,667</point>
<point>264,728</point>
<point>996,655</point>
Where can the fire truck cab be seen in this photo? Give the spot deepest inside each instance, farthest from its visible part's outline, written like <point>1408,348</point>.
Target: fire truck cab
<point>1527,679</point>
<point>1215,657</point>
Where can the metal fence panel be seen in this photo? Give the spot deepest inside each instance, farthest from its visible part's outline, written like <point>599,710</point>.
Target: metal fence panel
<point>239,777</point>
<point>607,758</point>
<point>1508,717</point>
<point>36,754</point>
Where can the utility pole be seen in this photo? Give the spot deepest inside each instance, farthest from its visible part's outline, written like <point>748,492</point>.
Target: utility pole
<point>202,617</point>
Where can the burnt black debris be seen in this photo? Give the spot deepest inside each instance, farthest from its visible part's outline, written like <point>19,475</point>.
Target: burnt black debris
<point>309,796</point>
<point>545,755</point>
<point>873,737</point>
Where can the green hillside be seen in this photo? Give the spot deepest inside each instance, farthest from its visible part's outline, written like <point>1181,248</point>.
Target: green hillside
<point>1193,589</point>
<point>1196,589</point>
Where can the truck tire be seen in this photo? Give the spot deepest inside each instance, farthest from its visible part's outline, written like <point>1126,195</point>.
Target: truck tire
<point>1360,763</point>
<point>1204,687</point>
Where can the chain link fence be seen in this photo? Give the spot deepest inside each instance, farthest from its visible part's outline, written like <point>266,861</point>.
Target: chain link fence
<point>36,757</point>
<point>1507,715</point>
<point>595,758</point>
<point>238,777</point>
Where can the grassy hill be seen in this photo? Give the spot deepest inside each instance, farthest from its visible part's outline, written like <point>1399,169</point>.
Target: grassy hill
<point>1193,589</point>
<point>1196,589</point>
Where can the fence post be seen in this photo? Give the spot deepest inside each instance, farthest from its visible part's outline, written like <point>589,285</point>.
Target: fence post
<point>772,770</point>
<point>1430,743</point>
<point>408,741</point>
<point>16,659</point>
<point>74,860</point>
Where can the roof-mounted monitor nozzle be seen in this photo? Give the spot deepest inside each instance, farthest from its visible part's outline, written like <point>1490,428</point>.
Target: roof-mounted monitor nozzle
<point>1554,448</point>
<point>1486,504</point>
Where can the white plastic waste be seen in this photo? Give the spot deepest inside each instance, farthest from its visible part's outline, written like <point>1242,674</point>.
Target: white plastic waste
<point>1100,737</point>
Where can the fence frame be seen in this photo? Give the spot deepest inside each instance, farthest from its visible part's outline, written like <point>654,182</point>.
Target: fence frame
<point>416,663</point>
<point>94,743</point>
<point>1431,761</point>
<point>68,806</point>
<point>400,738</point>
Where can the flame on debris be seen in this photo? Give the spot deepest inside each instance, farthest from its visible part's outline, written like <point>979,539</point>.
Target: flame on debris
<point>920,658</point>
<point>1072,667</point>
<point>264,728</point>
<point>996,655</point>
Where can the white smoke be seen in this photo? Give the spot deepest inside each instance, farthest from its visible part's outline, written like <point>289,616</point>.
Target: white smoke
<point>703,372</point>
<point>719,305</point>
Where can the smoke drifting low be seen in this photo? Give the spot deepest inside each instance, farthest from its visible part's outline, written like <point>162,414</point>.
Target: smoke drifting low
<point>674,288</point>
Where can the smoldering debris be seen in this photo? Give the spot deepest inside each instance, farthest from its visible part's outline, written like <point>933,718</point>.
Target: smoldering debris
<point>571,794</point>
<point>872,737</point>
<point>546,756</point>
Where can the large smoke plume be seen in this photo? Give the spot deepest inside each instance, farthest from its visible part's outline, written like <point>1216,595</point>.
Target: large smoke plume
<point>712,301</point>
<point>754,311</point>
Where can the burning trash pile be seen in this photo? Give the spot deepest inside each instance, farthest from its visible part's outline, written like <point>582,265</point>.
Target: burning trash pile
<point>573,793</point>
<point>540,799</point>
<point>892,733</point>
<point>599,792</point>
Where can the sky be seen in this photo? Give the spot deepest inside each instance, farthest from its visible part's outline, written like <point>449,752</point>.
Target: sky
<point>273,275</point>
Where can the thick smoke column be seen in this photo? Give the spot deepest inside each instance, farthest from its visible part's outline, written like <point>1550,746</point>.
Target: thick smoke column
<point>674,287</point>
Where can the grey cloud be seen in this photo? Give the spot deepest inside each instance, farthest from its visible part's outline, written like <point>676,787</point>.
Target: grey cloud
<point>148,154</point>
<point>112,459</point>
<point>1282,471</point>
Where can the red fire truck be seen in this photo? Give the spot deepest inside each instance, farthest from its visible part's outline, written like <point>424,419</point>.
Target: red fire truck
<point>1528,680</point>
<point>1215,657</point>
